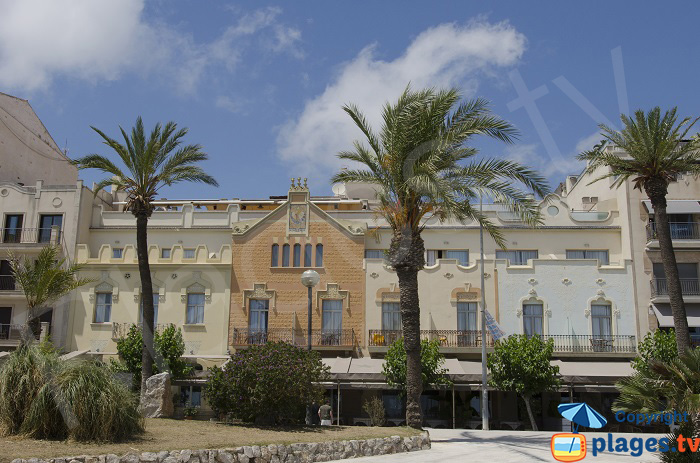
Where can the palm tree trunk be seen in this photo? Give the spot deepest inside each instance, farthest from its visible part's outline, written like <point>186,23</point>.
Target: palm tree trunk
<point>410,318</point>
<point>147,299</point>
<point>656,191</point>
<point>528,407</point>
<point>407,258</point>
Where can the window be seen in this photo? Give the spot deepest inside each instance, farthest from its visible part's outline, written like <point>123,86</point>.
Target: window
<point>467,316</point>
<point>462,256</point>
<point>308,249</point>
<point>258,315</point>
<point>156,299</point>
<point>332,315</point>
<point>686,271</point>
<point>165,253</point>
<point>532,319</point>
<point>117,253</point>
<point>391,316</point>
<point>13,229</point>
<point>297,255</point>
<point>517,257</point>
<point>601,319</point>
<point>190,396</point>
<point>7,278</point>
<point>195,308</point>
<point>45,224</point>
<point>103,308</point>
<point>319,255</point>
<point>189,253</point>
<point>275,255</point>
<point>374,254</point>
<point>601,255</point>
<point>285,255</point>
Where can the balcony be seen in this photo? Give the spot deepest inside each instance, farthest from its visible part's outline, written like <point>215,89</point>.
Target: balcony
<point>446,338</point>
<point>7,283</point>
<point>121,330</point>
<point>322,339</point>
<point>461,341</point>
<point>25,236</point>
<point>689,287</point>
<point>10,335</point>
<point>679,231</point>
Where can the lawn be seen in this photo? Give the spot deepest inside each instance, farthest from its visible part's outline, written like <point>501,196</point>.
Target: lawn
<point>162,434</point>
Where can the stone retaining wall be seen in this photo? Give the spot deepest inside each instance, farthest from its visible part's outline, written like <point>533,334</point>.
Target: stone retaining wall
<point>294,453</point>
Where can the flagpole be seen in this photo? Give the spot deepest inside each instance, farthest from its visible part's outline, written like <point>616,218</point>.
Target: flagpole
<point>484,392</point>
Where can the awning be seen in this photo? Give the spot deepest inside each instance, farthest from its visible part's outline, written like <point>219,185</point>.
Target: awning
<point>665,317</point>
<point>677,206</point>
<point>593,372</point>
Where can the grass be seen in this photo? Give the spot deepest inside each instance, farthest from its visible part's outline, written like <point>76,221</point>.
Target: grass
<point>164,434</point>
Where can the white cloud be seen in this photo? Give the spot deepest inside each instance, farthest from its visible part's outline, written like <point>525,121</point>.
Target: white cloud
<point>95,40</point>
<point>445,55</point>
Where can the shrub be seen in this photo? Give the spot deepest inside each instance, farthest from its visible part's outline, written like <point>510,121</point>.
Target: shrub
<point>374,408</point>
<point>432,372</point>
<point>659,345</point>
<point>271,383</point>
<point>47,398</point>
<point>169,347</point>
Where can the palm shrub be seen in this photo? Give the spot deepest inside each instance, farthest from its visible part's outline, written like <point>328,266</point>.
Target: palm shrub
<point>151,162</point>
<point>270,383</point>
<point>44,397</point>
<point>422,165</point>
<point>657,151</point>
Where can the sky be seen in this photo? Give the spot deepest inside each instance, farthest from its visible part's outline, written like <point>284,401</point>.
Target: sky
<point>261,85</point>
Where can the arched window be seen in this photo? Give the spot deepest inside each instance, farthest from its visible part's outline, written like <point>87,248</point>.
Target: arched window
<point>308,249</point>
<point>275,255</point>
<point>533,319</point>
<point>319,255</point>
<point>285,255</point>
<point>297,255</point>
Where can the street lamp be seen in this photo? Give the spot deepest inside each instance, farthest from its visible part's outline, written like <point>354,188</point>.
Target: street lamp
<point>310,278</point>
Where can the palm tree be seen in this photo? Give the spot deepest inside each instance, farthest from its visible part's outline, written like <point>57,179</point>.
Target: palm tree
<point>151,163</point>
<point>44,280</point>
<point>657,152</point>
<point>415,161</point>
<point>667,387</point>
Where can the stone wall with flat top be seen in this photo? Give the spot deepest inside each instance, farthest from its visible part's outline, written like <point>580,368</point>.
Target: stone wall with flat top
<point>293,453</point>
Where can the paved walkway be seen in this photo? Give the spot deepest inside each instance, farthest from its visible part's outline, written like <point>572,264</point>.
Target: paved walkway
<point>500,447</point>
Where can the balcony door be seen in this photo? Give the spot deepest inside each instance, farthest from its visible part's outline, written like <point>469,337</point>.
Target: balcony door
<point>45,224</point>
<point>332,321</point>
<point>13,229</point>
<point>467,323</point>
<point>5,321</point>
<point>257,324</point>
<point>7,279</point>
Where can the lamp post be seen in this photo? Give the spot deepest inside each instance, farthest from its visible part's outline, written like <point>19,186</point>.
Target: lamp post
<point>484,382</point>
<point>309,279</point>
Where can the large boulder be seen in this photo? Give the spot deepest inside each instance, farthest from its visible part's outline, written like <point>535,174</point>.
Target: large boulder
<point>157,402</point>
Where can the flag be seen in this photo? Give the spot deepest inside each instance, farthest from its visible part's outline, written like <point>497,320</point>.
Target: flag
<point>493,327</point>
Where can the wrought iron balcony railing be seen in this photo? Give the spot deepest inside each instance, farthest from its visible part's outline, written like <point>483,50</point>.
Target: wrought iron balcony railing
<point>689,287</point>
<point>319,338</point>
<point>564,343</point>
<point>12,333</point>
<point>7,283</point>
<point>679,231</point>
<point>30,235</point>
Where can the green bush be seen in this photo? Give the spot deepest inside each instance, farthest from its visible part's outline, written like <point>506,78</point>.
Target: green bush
<point>169,347</point>
<point>271,383</point>
<point>374,408</point>
<point>659,345</point>
<point>432,371</point>
<point>44,397</point>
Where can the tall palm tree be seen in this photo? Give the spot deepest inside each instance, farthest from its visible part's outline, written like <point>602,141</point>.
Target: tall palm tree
<point>657,152</point>
<point>151,163</point>
<point>44,280</point>
<point>415,160</point>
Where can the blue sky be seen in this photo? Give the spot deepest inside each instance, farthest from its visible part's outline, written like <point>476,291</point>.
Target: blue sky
<point>261,84</point>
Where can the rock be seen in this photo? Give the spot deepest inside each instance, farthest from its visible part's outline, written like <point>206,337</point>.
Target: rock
<point>111,458</point>
<point>148,457</point>
<point>157,402</point>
